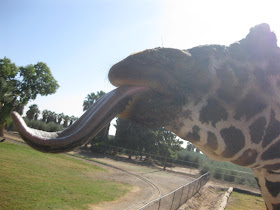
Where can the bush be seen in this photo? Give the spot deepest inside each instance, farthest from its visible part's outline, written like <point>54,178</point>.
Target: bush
<point>230,176</point>
<point>218,173</point>
<point>204,169</point>
<point>40,125</point>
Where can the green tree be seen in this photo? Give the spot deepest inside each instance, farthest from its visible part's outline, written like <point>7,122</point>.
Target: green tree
<point>91,99</point>
<point>24,83</point>
<point>33,112</point>
<point>102,136</point>
<point>45,114</point>
<point>72,120</point>
<point>60,118</point>
<point>52,117</point>
<point>66,119</point>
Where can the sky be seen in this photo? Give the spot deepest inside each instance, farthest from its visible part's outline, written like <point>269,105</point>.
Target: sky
<point>80,40</point>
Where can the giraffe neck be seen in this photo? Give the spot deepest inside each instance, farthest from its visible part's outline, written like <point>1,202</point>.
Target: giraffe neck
<point>269,183</point>
<point>238,120</point>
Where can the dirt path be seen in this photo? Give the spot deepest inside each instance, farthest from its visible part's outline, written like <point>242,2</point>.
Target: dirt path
<point>208,198</point>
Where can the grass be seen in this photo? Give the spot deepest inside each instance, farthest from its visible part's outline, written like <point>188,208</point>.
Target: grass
<point>245,202</point>
<point>34,180</point>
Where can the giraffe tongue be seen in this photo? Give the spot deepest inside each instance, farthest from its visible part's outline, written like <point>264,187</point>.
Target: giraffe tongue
<point>84,129</point>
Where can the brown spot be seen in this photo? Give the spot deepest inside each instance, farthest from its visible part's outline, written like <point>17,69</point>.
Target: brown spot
<point>273,187</point>
<point>272,167</point>
<point>272,131</point>
<point>247,158</point>
<point>234,141</point>
<point>272,152</point>
<point>272,172</point>
<point>187,114</point>
<point>258,183</point>
<point>241,73</point>
<point>213,112</point>
<point>228,90</point>
<point>193,136</point>
<point>249,106</point>
<point>257,130</point>
<point>275,206</point>
<point>212,142</point>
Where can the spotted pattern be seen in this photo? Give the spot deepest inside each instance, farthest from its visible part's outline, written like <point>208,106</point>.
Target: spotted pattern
<point>276,206</point>
<point>275,166</point>
<point>228,91</point>
<point>272,131</point>
<point>234,141</point>
<point>272,187</point>
<point>193,136</point>
<point>247,158</point>
<point>257,130</point>
<point>213,112</point>
<point>249,106</point>
<point>212,142</point>
<point>272,152</point>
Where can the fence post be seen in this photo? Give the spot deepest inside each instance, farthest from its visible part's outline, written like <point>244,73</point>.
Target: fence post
<point>181,195</point>
<point>159,204</point>
<point>172,200</point>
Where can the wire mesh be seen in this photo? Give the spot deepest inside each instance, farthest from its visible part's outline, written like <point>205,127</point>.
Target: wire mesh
<point>176,198</point>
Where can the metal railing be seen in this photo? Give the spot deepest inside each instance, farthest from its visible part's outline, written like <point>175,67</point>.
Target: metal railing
<point>176,198</point>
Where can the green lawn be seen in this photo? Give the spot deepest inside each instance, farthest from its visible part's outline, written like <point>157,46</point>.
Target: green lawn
<point>243,201</point>
<point>34,180</point>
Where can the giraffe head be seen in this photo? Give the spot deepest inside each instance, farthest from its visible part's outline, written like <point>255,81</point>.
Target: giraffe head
<point>179,78</point>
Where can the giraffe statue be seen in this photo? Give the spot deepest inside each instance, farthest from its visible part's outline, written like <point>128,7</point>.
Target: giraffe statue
<point>223,99</point>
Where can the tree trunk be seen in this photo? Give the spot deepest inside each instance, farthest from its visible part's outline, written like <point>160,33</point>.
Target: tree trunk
<point>2,126</point>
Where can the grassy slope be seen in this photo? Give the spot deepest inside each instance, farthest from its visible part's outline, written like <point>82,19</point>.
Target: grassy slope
<point>243,201</point>
<point>34,180</point>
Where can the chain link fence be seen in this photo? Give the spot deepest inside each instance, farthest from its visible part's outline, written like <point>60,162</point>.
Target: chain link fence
<point>176,198</point>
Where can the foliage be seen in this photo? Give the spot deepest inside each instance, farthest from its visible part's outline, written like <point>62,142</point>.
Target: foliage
<point>226,171</point>
<point>21,84</point>
<point>35,180</point>
<point>50,120</point>
<point>33,112</point>
<point>91,99</point>
<point>159,141</point>
<point>102,136</point>
<point>40,125</point>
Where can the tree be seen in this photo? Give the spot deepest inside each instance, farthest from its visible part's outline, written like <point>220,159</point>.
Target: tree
<point>45,114</point>
<point>60,118</point>
<point>24,83</point>
<point>52,117</point>
<point>66,119</point>
<point>72,120</point>
<point>33,112</point>
<point>91,99</point>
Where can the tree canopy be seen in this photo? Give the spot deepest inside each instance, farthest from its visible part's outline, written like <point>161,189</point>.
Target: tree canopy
<point>22,84</point>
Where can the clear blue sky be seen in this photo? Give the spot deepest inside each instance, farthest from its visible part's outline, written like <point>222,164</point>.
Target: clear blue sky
<point>81,39</point>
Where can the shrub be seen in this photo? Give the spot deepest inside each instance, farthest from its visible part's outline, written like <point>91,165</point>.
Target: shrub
<point>229,176</point>
<point>204,169</point>
<point>218,173</point>
<point>40,125</point>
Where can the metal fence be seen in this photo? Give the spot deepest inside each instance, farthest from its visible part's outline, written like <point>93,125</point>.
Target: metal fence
<point>176,198</point>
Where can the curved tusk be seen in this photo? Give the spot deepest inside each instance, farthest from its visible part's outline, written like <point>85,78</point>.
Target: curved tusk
<point>84,129</point>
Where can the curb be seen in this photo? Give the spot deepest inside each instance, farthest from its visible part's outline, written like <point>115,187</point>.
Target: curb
<point>225,199</point>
